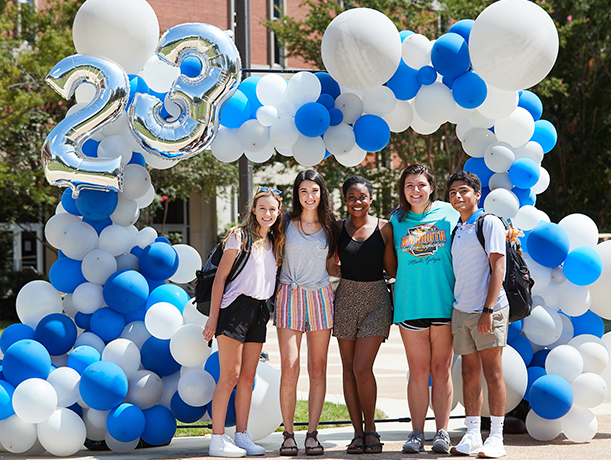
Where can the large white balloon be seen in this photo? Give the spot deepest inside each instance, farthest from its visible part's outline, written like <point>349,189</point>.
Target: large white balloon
<point>401,117</point>
<point>339,139</point>
<point>65,381</point>
<point>361,48</point>
<point>188,346</point>
<point>124,32</point>
<point>581,230</point>
<point>63,433</point>
<point>124,353</point>
<point>196,387</point>
<point>78,239</point>
<point>17,435</point>
<point>541,428</point>
<point>573,300</point>
<point>162,320</point>
<point>416,50</point>
<point>34,400</point>
<point>98,265</point>
<point>502,203</point>
<point>36,300</point>
<point>579,424</point>
<point>189,261</point>
<point>265,416</point>
<point>55,226</point>
<point>516,129</point>
<point>513,44</point>
<point>476,141</point>
<point>379,101</point>
<point>303,87</point>
<point>600,290</point>
<point>434,103</point>
<point>353,158</point>
<point>543,326</point>
<point>589,390</point>
<point>115,239</point>
<point>309,151</point>
<point>593,350</point>
<point>226,146</point>
<point>350,105</point>
<point>565,361</point>
<point>144,389</point>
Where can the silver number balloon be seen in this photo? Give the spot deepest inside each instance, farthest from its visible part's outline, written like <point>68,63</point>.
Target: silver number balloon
<point>200,98</point>
<point>63,161</point>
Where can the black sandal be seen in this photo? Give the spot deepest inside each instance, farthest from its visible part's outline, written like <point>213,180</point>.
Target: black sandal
<point>356,448</point>
<point>288,451</point>
<point>314,450</point>
<point>373,448</point>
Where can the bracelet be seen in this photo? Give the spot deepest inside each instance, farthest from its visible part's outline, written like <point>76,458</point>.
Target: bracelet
<point>487,310</point>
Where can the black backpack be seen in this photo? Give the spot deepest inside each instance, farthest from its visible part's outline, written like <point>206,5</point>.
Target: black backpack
<point>205,276</point>
<point>518,283</point>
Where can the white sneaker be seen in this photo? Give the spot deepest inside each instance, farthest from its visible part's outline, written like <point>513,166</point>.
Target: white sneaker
<point>222,445</point>
<point>470,444</point>
<point>493,448</point>
<point>244,440</point>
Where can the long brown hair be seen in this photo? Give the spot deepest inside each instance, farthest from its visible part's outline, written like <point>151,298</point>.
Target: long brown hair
<point>325,212</point>
<point>251,224</point>
<point>416,168</point>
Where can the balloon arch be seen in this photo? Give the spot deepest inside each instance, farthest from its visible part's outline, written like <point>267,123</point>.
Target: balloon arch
<point>108,350</point>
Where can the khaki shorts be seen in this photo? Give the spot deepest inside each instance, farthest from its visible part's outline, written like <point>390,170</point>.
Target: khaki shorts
<point>467,339</point>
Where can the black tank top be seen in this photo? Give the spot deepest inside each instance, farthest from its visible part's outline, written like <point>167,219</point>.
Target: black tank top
<point>361,260</point>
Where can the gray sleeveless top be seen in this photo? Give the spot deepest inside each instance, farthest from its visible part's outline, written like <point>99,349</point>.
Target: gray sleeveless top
<point>304,263</point>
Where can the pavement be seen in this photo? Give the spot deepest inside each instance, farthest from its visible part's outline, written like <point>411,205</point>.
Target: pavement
<point>391,371</point>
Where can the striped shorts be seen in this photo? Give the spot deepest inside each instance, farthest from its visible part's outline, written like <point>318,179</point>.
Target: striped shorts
<point>303,310</point>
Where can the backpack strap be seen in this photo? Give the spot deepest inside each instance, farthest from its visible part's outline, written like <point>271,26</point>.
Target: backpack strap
<point>242,258</point>
<point>479,229</point>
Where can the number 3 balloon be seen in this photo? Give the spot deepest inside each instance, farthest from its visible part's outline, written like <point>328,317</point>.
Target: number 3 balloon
<point>63,161</point>
<point>200,97</point>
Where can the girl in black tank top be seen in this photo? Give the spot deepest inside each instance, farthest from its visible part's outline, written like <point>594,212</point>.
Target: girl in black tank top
<point>362,260</point>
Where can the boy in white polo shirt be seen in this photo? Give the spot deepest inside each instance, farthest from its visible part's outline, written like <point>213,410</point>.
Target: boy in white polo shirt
<point>480,315</point>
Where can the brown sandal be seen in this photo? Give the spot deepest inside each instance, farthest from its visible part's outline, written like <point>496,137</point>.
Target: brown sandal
<point>314,450</point>
<point>288,451</point>
<point>356,448</point>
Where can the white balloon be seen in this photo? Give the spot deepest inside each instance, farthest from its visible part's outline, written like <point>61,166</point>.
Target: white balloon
<point>192,316</point>
<point>145,200</point>
<point>572,299</point>
<point>579,424</point>
<point>460,114</point>
<point>136,332</point>
<point>115,239</point>
<point>498,103</point>
<point>600,290</point>
<point>539,273</point>
<point>156,162</point>
<point>88,297</point>
<point>477,120</point>
<point>78,239</point>
<point>159,74</point>
<point>283,133</point>
<point>379,101</point>
<point>144,389</point>
<point>339,139</point>
<point>565,361</point>
<point>63,433</point>
<point>118,446</point>
<point>188,346</point>
<point>350,105</point>
<point>581,230</point>
<point>124,353</point>
<point>263,155</point>
<point>136,181</point>
<point>416,51</point>
<point>477,140</point>
<point>531,150</point>
<point>271,89</point>
<point>303,87</point>
<point>36,300</point>
<point>97,418</point>
<point>567,332</point>
<point>265,416</point>
<point>115,146</point>
<point>146,236</point>
<point>127,212</point>
<point>500,180</point>
<point>127,262</point>
<point>515,129</point>
<point>401,117</point>
<point>352,158</point>
<point>422,127</point>
<point>98,265</point>
<point>170,386</point>
<point>286,109</point>
<point>226,146</point>
<point>65,381</point>
<point>434,103</point>
<point>68,306</point>
<point>16,435</point>
<point>526,218</point>
<point>541,428</point>
<point>589,390</point>
<point>189,261</point>
<point>361,48</point>
<point>253,136</point>
<point>502,203</point>
<point>55,225</point>
<point>543,326</point>
<point>309,151</point>
<point>558,276</point>
<point>513,44</point>
<point>499,157</point>
<point>593,351</point>
<point>267,114</point>
<point>90,339</point>
<point>162,320</point>
<point>542,183</point>
<point>196,387</point>
<point>34,400</point>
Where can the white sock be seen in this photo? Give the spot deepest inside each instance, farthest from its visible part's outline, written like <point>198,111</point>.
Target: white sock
<point>474,424</point>
<point>496,425</point>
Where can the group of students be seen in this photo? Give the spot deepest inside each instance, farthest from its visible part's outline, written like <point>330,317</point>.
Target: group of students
<point>448,298</point>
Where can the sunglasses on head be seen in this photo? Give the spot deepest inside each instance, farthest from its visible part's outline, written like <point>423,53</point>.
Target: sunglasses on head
<point>266,189</point>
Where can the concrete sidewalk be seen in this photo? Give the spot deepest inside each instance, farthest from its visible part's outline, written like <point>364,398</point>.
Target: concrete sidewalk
<point>391,372</point>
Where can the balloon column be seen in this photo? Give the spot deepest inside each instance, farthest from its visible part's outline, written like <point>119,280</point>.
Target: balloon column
<point>111,348</point>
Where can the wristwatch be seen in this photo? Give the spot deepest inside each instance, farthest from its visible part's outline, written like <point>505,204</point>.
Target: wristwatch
<point>487,310</point>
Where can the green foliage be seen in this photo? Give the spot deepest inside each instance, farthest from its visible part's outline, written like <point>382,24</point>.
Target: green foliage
<point>330,412</point>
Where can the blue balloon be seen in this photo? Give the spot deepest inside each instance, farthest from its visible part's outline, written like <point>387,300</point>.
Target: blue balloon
<point>125,291</point>
<point>125,423</point>
<point>184,412</point>
<point>107,323</point>
<point>427,75</point>
<point>191,66</point>
<point>6,400</point>
<point>448,81</point>
<point>249,88</point>
<point>523,240</point>
<point>539,358</point>
<point>159,427</point>
<point>169,293</point>
<point>533,372</point>
<point>230,416</point>
<point>531,102</point>
<point>312,119</point>
<point>162,239</point>
<point>14,333</point>
<point>485,192</point>
<point>158,261</point>
<point>336,116</point>
<point>103,385</point>
<point>97,204</point>
<point>526,196</point>
<point>328,85</point>
<point>26,359</point>
<point>82,320</point>
<point>57,332</point>
<point>404,83</point>
<point>90,148</point>
<point>81,357</point>
<point>551,397</point>
<point>522,345</point>
<point>69,203</point>
<point>137,84</point>
<point>326,100</point>
<point>154,284</point>
<point>137,315</point>
<point>212,366</point>
<point>155,355</point>
<point>588,323</point>
<point>548,244</point>
<point>136,250</point>
<point>583,266</point>
<point>545,134</point>
<point>450,55</point>
<point>66,275</point>
<point>524,173</point>
<point>514,329</point>
<point>478,167</point>
<point>404,34</point>
<point>463,28</point>
<point>98,225</point>
<point>236,111</point>
<point>371,133</point>
<point>137,159</point>
<point>469,90</point>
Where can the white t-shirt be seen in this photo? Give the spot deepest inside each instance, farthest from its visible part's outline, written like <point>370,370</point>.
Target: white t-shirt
<point>257,279</point>
<point>472,265</point>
